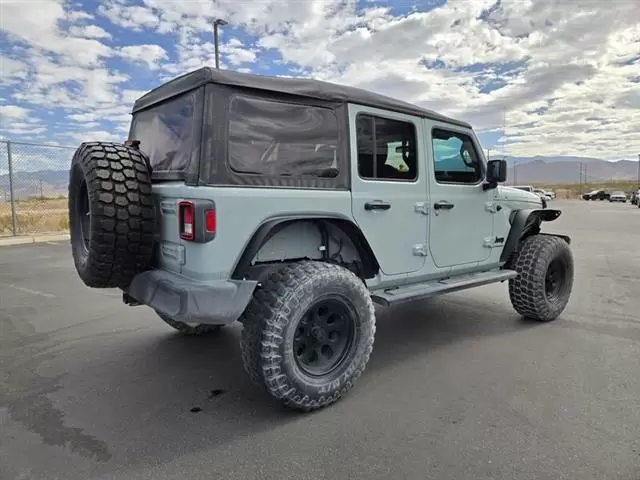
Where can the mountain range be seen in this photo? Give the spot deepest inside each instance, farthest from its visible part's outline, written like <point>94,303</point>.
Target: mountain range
<point>569,170</point>
<point>528,170</point>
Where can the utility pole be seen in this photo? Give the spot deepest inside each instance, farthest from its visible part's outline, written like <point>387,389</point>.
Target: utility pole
<point>515,172</point>
<point>586,178</point>
<point>218,22</point>
<point>639,170</point>
<point>581,166</point>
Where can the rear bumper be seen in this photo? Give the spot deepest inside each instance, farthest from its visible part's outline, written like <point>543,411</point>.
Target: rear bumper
<point>216,303</point>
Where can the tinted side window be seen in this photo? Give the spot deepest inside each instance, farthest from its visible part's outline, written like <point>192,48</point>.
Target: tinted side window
<point>165,132</point>
<point>455,158</point>
<point>386,148</point>
<point>277,138</point>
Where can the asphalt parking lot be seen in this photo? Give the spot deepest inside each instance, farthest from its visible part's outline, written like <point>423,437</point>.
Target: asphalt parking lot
<point>457,388</point>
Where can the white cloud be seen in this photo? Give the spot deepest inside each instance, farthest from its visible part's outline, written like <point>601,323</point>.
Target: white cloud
<point>133,17</point>
<point>94,135</point>
<point>130,96</point>
<point>149,54</point>
<point>89,31</point>
<point>12,71</point>
<point>78,15</point>
<point>13,112</point>
<point>237,54</point>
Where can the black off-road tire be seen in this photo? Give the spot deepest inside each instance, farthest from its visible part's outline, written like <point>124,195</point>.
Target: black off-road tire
<point>111,216</point>
<point>278,312</point>
<point>543,286</point>
<point>191,330</point>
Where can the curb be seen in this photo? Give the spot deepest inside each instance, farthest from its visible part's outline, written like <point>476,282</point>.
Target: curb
<point>25,240</point>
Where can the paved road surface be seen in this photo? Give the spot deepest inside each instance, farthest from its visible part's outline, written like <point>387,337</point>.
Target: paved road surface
<point>457,388</point>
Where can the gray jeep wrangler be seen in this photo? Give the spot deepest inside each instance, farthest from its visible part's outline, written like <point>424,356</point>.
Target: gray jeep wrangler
<point>292,206</point>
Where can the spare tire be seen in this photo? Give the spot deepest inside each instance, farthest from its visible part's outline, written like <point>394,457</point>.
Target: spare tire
<point>111,215</point>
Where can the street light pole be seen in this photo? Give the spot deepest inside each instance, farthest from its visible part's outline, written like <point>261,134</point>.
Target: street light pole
<point>217,23</point>
<point>639,171</point>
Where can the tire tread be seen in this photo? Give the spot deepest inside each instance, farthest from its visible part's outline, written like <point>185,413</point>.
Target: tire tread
<point>264,321</point>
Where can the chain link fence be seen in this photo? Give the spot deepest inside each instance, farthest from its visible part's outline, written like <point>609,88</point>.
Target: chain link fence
<point>33,188</point>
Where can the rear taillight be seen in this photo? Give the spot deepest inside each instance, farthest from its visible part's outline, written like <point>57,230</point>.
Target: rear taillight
<point>197,220</point>
<point>210,221</point>
<point>187,223</point>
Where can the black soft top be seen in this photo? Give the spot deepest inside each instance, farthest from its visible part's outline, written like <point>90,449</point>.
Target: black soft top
<point>300,87</point>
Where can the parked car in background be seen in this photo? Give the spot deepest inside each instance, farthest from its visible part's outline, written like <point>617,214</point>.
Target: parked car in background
<point>526,188</point>
<point>530,189</point>
<point>542,194</point>
<point>618,196</point>
<point>551,194</point>
<point>596,195</point>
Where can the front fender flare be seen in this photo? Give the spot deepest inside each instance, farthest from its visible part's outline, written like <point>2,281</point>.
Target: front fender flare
<point>527,222</point>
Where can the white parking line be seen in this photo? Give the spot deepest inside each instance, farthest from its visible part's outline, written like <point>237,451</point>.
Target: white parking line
<point>30,291</point>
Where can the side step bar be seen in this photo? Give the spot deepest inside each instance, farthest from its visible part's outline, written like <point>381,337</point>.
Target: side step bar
<point>408,293</point>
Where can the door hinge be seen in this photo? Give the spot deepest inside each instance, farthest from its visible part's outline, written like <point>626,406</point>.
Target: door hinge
<point>422,207</point>
<point>493,242</point>
<point>420,250</point>
<point>492,207</point>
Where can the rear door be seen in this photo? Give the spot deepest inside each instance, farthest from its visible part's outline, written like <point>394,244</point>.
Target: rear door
<point>462,221</point>
<point>388,186</point>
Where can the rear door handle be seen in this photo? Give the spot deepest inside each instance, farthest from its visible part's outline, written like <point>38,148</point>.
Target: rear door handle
<point>377,205</point>
<point>443,205</point>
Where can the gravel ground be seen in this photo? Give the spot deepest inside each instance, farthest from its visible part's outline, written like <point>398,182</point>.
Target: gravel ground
<point>457,388</point>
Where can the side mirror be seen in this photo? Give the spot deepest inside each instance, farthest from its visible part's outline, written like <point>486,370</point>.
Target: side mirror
<point>496,171</point>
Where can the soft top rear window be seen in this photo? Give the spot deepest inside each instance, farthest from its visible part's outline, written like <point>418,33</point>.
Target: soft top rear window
<point>165,132</point>
<point>278,138</point>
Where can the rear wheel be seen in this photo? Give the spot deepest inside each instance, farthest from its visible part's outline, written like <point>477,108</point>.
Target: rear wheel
<point>543,286</point>
<point>308,334</point>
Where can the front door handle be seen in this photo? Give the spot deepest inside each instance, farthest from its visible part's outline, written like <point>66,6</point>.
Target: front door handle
<point>377,205</point>
<point>443,205</point>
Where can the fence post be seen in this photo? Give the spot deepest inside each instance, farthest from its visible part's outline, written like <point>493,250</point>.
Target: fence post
<point>12,197</point>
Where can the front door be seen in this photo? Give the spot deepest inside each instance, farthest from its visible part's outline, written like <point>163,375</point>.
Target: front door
<point>389,186</point>
<point>461,223</point>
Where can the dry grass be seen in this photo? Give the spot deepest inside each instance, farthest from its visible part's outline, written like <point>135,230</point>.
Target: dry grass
<point>48,215</point>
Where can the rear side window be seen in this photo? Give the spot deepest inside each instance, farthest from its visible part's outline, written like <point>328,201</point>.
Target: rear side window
<point>165,132</point>
<point>386,149</point>
<point>282,139</point>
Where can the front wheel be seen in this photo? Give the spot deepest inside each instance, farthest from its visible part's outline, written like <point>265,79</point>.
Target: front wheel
<point>308,334</point>
<point>543,286</point>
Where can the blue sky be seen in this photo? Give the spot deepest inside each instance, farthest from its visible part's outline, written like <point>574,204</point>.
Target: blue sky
<point>550,78</point>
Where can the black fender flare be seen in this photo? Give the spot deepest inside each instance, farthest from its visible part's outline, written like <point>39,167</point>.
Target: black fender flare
<point>527,222</point>
<point>272,226</point>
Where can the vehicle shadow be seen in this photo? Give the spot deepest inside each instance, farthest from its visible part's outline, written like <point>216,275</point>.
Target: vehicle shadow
<point>418,328</point>
<point>152,395</point>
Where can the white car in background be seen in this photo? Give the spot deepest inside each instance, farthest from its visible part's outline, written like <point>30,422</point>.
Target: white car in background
<point>529,188</point>
<point>542,194</point>
<point>618,196</point>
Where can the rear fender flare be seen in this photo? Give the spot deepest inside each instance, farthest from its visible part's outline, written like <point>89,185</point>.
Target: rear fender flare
<point>272,226</point>
<point>527,222</point>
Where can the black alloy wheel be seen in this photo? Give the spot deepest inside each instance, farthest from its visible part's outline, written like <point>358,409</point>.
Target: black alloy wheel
<point>324,336</point>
